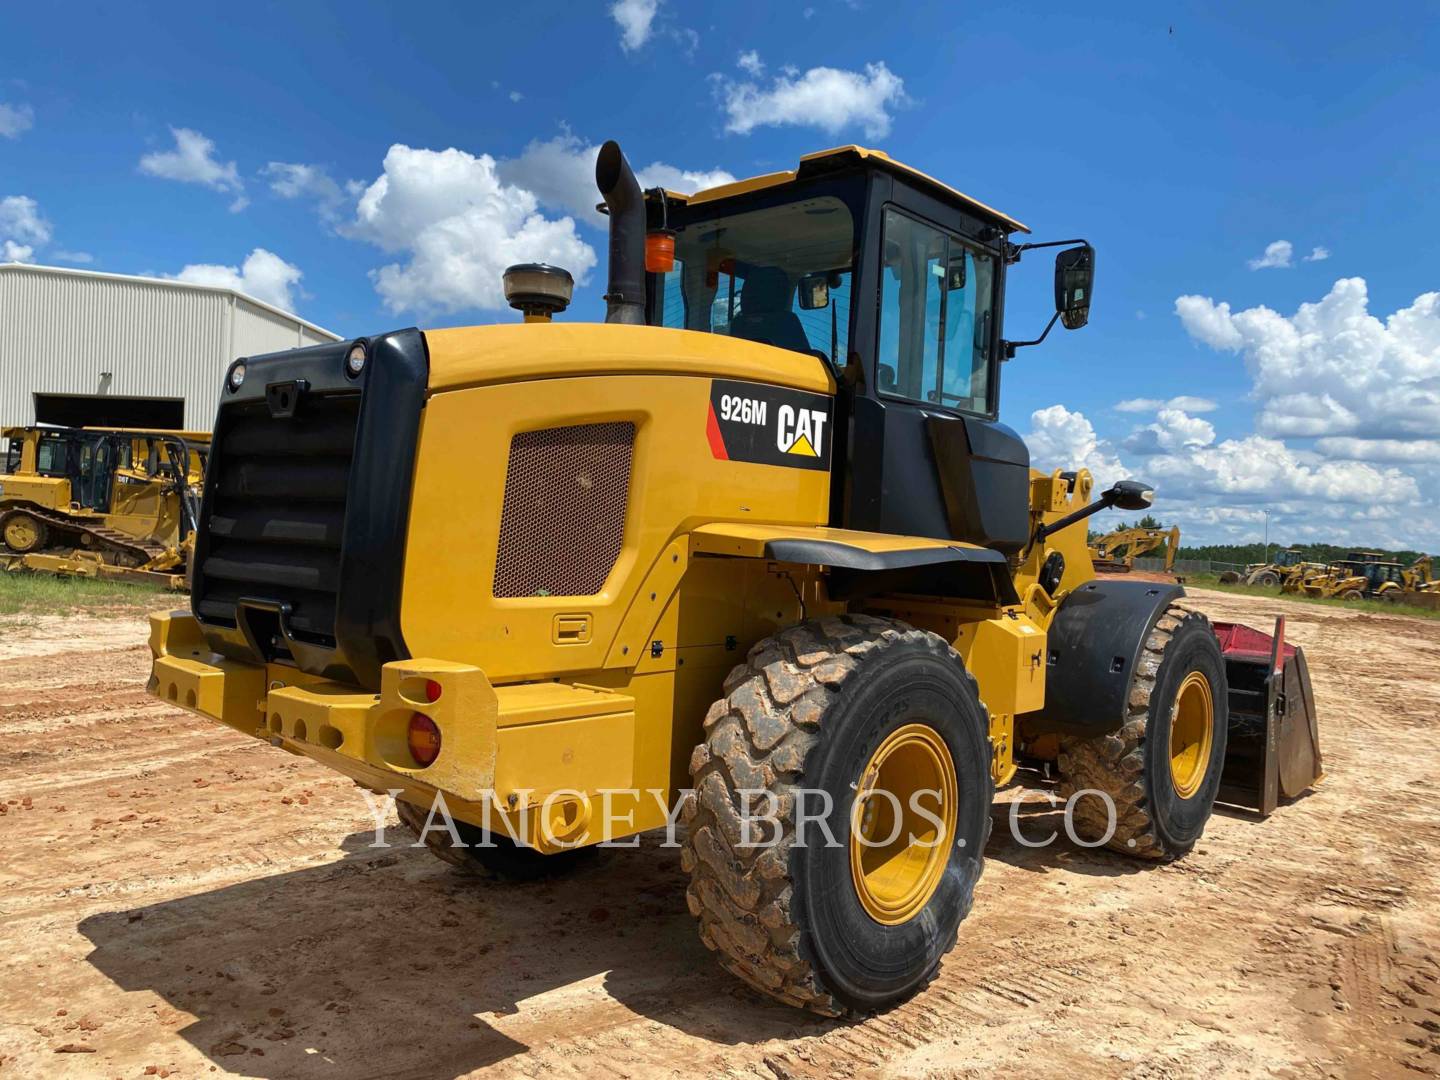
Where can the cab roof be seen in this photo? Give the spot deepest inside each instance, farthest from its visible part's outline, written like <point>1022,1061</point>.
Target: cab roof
<point>823,161</point>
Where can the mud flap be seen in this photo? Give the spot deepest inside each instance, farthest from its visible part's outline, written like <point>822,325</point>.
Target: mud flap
<point>1274,740</point>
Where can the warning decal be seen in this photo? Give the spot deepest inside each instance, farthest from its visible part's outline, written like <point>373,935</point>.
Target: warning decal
<point>769,425</point>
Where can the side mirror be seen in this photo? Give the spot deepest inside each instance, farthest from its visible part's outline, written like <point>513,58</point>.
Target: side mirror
<point>1074,280</point>
<point>955,275</point>
<point>1130,495</point>
<point>815,291</point>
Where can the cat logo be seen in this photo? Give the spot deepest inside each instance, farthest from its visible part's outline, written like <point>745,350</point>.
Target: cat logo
<point>800,431</point>
<point>769,425</point>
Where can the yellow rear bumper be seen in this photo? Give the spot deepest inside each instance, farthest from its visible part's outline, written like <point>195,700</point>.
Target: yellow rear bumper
<point>515,750</point>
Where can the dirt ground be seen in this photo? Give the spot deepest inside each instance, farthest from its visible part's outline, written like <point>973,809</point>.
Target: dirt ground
<point>178,900</point>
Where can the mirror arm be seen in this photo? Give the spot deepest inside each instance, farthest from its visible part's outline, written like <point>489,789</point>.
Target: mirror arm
<point>1011,346</point>
<point>1012,251</point>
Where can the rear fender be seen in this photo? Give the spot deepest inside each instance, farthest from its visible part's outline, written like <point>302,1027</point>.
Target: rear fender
<point>861,564</point>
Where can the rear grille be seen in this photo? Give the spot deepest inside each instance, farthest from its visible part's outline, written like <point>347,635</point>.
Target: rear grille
<point>277,510</point>
<point>563,519</point>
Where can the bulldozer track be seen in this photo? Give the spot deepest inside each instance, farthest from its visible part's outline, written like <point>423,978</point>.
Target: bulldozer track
<point>104,538</point>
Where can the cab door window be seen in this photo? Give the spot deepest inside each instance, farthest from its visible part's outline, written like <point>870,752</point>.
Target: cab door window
<point>936,313</point>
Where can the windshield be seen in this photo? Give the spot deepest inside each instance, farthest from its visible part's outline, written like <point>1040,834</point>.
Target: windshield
<point>743,274</point>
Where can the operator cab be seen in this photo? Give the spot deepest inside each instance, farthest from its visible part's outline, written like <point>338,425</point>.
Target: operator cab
<point>897,282</point>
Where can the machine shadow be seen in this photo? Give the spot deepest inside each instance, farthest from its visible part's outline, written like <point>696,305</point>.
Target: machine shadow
<point>387,963</point>
<point>1035,841</point>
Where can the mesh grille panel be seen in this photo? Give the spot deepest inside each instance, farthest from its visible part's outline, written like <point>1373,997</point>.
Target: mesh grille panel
<point>563,518</point>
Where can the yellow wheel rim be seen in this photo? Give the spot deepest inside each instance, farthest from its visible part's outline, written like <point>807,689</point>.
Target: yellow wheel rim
<point>898,855</point>
<point>21,533</point>
<point>1192,723</point>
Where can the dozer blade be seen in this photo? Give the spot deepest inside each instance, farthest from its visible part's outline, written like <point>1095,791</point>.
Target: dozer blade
<point>1274,742</point>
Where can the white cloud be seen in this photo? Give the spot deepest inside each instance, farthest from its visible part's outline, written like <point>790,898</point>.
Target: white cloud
<point>21,220</point>
<point>1150,405</point>
<point>1318,254</point>
<point>826,98</point>
<point>1257,469</point>
<point>264,275</point>
<point>750,63</point>
<point>15,120</point>
<point>1399,451</point>
<point>23,228</point>
<point>561,174</point>
<point>460,225</point>
<point>1277,256</point>
<point>291,180</point>
<point>1333,368</point>
<point>193,161</point>
<point>80,258</point>
<point>516,96</point>
<point>681,181</point>
<point>1218,491</point>
<point>1061,439</point>
<point>1174,429</point>
<point>635,19</point>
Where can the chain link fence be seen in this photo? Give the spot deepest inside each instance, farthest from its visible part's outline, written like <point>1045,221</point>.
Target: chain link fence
<point>1188,566</point>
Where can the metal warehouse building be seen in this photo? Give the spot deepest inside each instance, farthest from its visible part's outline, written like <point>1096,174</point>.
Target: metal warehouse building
<point>79,347</point>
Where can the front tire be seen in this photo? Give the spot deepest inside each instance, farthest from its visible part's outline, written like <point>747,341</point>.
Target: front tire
<point>1161,770</point>
<point>845,706</point>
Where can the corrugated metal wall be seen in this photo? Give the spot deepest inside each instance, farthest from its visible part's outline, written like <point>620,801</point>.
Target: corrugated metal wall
<point>61,332</point>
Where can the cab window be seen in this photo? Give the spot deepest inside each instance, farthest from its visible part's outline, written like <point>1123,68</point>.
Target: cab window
<point>936,315</point>
<point>780,276</point>
<point>50,457</point>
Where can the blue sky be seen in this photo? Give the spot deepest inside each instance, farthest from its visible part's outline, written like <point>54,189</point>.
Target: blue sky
<point>1182,143</point>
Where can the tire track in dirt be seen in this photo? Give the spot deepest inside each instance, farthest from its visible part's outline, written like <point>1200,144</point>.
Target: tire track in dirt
<point>251,929</point>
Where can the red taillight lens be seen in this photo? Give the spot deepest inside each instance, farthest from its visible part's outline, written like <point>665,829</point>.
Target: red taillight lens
<point>424,739</point>
<point>432,691</point>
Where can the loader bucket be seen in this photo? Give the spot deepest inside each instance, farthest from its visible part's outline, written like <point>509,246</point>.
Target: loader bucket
<point>1274,742</point>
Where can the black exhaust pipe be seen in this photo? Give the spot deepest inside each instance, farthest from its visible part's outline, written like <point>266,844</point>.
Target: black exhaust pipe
<point>625,294</point>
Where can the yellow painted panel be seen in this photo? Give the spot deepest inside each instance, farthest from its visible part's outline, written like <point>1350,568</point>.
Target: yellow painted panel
<point>676,485</point>
<point>538,703</point>
<point>585,755</point>
<point>506,352</point>
<point>1007,658</point>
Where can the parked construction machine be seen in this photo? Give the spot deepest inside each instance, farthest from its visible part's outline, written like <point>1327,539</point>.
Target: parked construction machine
<point>1287,563</point>
<point>113,503</point>
<point>759,538</point>
<point>1116,552</point>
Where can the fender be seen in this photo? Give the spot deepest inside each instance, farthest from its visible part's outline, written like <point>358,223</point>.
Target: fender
<point>1094,643</point>
<point>868,564</point>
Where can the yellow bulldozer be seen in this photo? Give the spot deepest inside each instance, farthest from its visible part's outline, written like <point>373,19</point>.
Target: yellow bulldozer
<point>113,503</point>
<point>755,552</point>
<point>1116,552</point>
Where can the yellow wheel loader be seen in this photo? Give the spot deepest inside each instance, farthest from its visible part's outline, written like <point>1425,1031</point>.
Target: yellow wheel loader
<point>1116,552</point>
<point>756,550</point>
<point>114,503</point>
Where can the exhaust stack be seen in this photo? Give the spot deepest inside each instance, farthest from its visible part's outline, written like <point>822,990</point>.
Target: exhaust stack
<point>625,292</point>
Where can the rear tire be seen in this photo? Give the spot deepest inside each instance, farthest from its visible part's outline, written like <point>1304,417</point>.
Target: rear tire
<point>1352,594</point>
<point>1161,770</point>
<point>505,860</point>
<point>815,707</point>
<point>1266,578</point>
